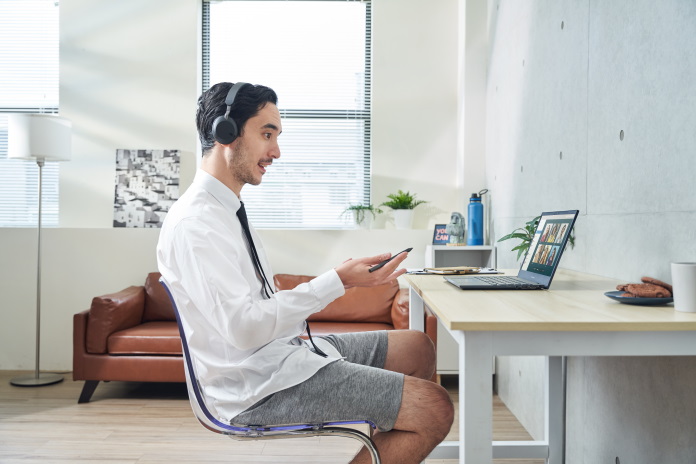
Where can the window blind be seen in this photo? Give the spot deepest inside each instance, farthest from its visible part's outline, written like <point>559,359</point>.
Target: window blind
<point>28,84</point>
<point>316,55</point>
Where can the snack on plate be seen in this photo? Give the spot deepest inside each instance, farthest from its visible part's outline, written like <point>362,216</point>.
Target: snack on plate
<point>650,280</point>
<point>650,288</point>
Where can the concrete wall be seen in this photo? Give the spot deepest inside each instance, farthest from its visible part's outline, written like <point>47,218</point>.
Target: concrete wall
<point>129,78</point>
<point>565,78</point>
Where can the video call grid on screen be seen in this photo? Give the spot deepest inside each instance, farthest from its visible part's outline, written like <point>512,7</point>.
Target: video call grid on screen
<point>546,245</point>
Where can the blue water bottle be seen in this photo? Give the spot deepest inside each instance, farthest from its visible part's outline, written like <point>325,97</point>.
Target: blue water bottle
<point>474,233</point>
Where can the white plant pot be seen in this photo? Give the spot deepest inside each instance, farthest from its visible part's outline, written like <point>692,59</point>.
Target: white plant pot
<point>403,218</point>
<point>366,222</point>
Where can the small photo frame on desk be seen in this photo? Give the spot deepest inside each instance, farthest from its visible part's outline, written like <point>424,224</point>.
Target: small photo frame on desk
<point>440,235</point>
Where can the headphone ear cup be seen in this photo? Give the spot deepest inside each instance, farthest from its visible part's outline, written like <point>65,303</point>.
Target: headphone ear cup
<point>224,130</point>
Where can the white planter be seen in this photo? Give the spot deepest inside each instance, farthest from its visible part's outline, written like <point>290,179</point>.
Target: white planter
<point>366,222</point>
<point>403,218</point>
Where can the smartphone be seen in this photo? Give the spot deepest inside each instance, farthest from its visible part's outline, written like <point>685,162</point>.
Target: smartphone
<point>381,265</point>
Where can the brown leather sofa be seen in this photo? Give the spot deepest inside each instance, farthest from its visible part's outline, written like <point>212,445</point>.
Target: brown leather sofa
<point>132,335</point>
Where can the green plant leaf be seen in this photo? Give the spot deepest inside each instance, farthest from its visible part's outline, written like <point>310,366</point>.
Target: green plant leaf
<point>402,200</point>
<point>512,235</point>
<point>360,211</point>
<point>527,235</point>
<point>521,252</point>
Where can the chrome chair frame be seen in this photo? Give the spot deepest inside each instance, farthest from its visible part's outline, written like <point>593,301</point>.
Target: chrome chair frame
<point>254,432</point>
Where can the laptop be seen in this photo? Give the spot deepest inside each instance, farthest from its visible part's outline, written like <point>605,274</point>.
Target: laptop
<point>540,263</point>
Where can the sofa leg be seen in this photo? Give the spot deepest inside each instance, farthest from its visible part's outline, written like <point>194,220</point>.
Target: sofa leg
<point>87,390</point>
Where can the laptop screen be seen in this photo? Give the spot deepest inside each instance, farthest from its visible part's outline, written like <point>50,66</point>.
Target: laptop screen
<point>547,246</point>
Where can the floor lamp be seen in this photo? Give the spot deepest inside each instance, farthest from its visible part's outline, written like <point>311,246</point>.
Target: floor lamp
<point>40,138</point>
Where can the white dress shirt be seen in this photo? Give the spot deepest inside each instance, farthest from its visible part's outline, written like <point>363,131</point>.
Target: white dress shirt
<point>243,345</point>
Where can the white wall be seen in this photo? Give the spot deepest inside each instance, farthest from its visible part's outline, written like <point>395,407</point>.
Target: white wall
<point>415,104</point>
<point>129,79</point>
<point>565,77</point>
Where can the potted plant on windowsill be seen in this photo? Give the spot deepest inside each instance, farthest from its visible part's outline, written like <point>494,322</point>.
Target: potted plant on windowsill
<point>402,204</point>
<point>363,215</point>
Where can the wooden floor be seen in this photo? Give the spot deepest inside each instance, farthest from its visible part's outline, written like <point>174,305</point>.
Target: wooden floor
<point>152,423</point>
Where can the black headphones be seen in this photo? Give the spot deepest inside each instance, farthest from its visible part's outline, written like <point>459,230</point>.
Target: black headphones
<point>224,128</point>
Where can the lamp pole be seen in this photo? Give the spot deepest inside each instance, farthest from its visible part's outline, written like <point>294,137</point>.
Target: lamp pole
<point>38,378</point>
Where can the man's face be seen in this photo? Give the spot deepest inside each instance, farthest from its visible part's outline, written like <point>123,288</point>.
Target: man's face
<point>256,149</point>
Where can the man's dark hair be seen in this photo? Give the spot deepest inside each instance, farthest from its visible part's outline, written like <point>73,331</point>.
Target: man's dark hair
<point>248,102</point>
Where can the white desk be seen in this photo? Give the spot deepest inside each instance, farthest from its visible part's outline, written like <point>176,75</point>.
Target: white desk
<point>574,318</point>
<point>446,256</point>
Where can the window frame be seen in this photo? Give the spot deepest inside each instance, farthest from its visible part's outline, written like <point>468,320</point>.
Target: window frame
<point>363,115</point>
<point>24,182</point>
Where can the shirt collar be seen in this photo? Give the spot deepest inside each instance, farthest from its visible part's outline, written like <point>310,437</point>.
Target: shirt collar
<point>227,198</point>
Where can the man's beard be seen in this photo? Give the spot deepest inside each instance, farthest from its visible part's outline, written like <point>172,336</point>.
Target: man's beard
<point>240,166</point>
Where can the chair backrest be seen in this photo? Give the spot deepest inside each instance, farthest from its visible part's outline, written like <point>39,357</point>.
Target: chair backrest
<point>201,410</point>
<point>195,395</point>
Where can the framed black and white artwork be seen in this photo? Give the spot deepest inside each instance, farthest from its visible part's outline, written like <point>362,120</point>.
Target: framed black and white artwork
<point>147,184</point>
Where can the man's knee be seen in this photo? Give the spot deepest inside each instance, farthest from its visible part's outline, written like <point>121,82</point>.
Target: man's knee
<point>428,347</point>
<point>423,350</point>
<point>440,411</point>
<point>444,411</point>
<point>411,352</point>
<point>426,408</point>
<point>428,355</point>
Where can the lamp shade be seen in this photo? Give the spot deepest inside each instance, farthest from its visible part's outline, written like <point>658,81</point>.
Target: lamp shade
<point>39,137</point>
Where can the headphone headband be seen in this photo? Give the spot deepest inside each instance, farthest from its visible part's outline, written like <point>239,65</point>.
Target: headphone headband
<point>233,93</point>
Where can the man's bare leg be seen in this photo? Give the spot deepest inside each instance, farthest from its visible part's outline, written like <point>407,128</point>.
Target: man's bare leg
<point>411,352</point>
<point>426,413</point>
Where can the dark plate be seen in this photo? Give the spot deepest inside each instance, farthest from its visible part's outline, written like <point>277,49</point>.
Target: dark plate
<point>616,295</point>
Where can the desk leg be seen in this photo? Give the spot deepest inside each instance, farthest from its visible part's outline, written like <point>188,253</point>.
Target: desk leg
<point>416,314</point>
<point>475,397</point>
<point>554,429</point>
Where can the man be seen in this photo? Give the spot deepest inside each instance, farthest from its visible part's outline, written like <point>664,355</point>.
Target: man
<point>244,337</point>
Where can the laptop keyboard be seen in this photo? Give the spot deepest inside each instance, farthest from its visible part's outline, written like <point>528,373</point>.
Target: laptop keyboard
<point>504,280</point>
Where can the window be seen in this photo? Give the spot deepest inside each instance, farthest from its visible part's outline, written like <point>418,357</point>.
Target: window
<point>317,56</point>
<point>28,84</point>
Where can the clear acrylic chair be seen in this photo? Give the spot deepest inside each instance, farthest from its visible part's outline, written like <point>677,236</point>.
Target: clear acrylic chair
<point>254,432</point>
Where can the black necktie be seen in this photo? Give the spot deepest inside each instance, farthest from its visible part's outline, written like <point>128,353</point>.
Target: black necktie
<point>241,214</point>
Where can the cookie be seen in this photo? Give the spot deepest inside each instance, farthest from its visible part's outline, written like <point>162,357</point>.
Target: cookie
<point>650,280</point>
<point>648,291</point>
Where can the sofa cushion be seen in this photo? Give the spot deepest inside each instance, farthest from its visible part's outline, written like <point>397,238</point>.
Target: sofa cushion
<point>149,338</point>
<point>359,304</point>
<point>111,313</point>
<point>328,328</point>
<point>158,306</point>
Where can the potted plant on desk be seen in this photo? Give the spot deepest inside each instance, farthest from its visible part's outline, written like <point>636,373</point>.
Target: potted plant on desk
<point>526,234</point>
<point>402,204</point>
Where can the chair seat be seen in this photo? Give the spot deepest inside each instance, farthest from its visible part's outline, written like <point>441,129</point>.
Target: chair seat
<point>149,338</point>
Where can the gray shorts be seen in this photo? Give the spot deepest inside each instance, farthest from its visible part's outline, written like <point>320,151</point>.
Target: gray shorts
<point>357,388</point>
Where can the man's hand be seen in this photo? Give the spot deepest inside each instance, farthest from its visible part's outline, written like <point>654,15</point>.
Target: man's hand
<point>356,272</point>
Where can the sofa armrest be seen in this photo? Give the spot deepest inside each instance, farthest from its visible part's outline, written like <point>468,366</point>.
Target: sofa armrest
<point>111,313</point>
<point>79,339</point>
<point>400,309</point>
<point>431,325</point>
<point>400,315</point>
